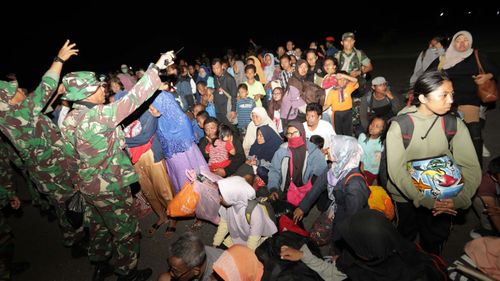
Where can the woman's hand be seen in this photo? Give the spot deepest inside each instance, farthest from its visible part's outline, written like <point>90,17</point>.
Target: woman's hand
<point>298,214</point>
<point>482,78</point>
<point>444,206</point>
<point>290,254</point>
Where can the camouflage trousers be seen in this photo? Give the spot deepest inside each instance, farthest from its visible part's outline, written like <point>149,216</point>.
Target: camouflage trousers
<point>114,229</point>
<point>56,183</point>
<point>6,249</point>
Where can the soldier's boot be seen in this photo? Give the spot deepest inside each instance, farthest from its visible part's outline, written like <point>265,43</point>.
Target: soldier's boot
<point>136,275</point>
<point>102,270</point>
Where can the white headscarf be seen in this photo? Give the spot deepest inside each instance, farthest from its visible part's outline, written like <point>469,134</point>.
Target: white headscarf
<point>452,56</point>
<point>251,134</point>
<point>236,192</point>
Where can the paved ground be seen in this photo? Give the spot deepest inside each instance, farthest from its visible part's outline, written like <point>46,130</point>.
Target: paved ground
<point>37,240</point>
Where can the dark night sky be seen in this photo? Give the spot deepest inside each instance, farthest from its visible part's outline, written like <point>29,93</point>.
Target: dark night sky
<point>108,35</point>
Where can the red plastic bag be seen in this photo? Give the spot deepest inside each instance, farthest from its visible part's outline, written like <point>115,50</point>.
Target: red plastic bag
<point>287,224</point>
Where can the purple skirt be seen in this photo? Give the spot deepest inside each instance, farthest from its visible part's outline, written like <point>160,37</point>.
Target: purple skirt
<point>192,159</point>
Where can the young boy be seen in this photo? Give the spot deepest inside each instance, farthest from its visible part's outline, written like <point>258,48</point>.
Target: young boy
<point>340,100</point>
<point>244,107</point>
<point>254,88</point>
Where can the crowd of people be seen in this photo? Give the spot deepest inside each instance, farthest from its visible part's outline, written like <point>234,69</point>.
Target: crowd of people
<point>290,129</point>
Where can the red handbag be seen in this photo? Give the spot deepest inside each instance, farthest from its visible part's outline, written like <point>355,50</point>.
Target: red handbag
<point>295,194</point>
<point>488,91</point>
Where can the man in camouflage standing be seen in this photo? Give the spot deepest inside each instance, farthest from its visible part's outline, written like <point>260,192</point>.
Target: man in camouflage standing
<point>7,196</point>
<point>37,140</point>
<point>105,170</point>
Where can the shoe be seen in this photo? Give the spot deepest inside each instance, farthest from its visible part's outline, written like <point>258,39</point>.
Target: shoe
<point>102,271</point>
<point>481,232</point>
<point>486,152</point>
<point>80,249</point>
<point>136,275</point>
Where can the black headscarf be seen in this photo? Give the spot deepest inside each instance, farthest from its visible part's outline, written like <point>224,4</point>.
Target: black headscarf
<point>299,155</point>
<point>268,148</point>
<point>376,251</point>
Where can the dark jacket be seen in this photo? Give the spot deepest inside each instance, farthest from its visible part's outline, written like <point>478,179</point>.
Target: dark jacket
<point>465,90</point>
<point>149,123</point>
<point>227,83</point>
<point>349,198</point>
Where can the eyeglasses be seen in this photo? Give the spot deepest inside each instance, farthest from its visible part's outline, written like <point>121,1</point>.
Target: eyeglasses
<point>178,277</point>
<point>289,134</point>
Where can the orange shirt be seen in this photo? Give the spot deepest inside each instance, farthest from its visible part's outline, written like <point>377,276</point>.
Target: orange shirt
<point>333,100</point>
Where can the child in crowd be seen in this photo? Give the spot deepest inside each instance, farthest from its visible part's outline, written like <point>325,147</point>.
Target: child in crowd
<point>244,107</point>
<point>198,131</point>
<point>373,145</point>
<point>220,148</point>
<point>339,99</point>
<point>255,89</point>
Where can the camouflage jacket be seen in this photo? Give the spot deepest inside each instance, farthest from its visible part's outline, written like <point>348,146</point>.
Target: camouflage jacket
<point>103,165</point>
<point>37,139</point>
<point>7,154</point>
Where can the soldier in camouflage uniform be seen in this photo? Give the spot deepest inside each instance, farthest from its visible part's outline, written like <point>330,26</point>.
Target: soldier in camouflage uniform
<point>47,159</point>
<point>7,196</point>
<point>105,170</point>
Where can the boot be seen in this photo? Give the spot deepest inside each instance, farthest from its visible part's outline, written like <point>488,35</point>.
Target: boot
<point>477,139</point>
<point>136,275</point>
<point>102,270</point>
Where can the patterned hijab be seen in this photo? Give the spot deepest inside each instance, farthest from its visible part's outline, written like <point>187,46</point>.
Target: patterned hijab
<point>346,154</point>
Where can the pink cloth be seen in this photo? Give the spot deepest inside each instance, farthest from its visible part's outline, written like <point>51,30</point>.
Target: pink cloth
<point>485,252</point>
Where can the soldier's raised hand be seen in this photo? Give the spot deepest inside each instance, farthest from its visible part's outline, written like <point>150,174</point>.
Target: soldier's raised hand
<point>67,50</point>
<point>165,60</point>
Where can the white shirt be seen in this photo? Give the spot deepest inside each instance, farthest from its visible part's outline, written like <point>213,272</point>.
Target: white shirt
<point>324,130</point>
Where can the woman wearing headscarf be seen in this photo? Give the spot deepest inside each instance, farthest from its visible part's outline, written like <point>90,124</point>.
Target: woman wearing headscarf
<point>205,75</point>
<point>304,157</point>
<point>293,102</point>
<point>263,149</point>
<point>271,72</point>
<point>259,118</point>
<point>239,72</point>
<point>177,139</point>
<point>238,263</point>
<point>374,251</point>
<point>347,196</point>
<point>252,231</point>
<point>461,66</point>
<point>274,105</point>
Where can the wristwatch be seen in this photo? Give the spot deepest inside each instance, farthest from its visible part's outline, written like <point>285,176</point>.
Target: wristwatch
<point>58,59</point>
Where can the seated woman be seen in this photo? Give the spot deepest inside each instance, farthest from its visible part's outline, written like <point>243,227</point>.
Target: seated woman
<point>307,162</point>
<point>259,118</point>
<point>375,251</point>
<point>348,194</point>
<point>250,231</point>
<point>211,128</point>
<point>262,151</point>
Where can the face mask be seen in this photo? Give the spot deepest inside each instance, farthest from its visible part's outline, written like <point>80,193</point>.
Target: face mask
<point>124,70</point>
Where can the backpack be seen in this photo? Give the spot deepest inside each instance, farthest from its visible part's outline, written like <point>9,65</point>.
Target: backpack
<point>313,93</point>
<point>263,203</point>
<point>405,121</point>
<point>379,199</point>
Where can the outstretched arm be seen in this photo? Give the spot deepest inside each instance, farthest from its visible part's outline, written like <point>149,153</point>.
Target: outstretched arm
<point>50,79</point>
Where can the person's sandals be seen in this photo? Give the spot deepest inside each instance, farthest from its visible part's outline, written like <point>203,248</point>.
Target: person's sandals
<point>152,230</point>
<point>169,231</point>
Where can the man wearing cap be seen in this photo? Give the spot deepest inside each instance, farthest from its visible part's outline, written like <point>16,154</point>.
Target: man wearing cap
<point>105,170</point>
<point>379,102</point>
<point>331,50</point>
<point>37,140</point>
<point>353,61</point>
